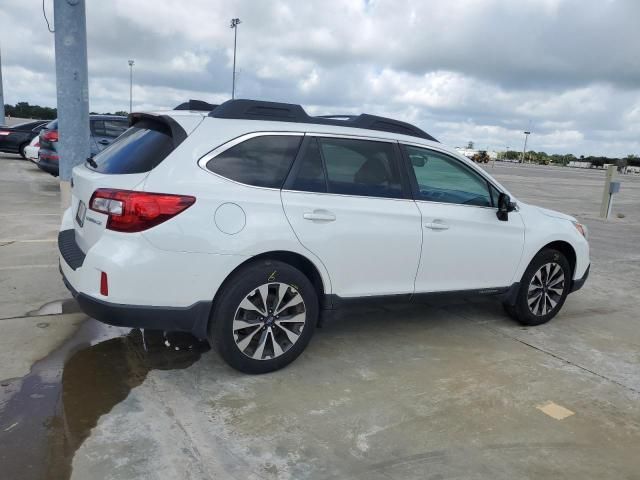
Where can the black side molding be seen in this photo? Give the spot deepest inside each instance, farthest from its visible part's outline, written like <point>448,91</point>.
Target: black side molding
<point>332,301</point>
<point>69,249</point>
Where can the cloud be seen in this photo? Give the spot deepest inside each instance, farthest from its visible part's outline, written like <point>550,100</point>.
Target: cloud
<point>481,70</point>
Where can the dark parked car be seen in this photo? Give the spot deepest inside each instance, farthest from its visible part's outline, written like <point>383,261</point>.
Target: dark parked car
<point>15,139</point>
<point>104,130</point>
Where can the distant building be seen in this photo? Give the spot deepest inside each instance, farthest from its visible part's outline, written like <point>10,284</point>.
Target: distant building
<point>469,152</point>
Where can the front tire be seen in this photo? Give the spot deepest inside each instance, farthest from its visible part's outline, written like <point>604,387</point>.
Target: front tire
<point>543,289</point>
<point>264,317</point>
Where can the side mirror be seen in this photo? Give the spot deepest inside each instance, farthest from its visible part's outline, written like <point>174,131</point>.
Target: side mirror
<point>505,205</point>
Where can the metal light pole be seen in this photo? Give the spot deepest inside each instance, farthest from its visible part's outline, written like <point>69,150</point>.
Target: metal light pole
<point>1,94</point>
<point>524,149</point>
<point>234,24</point>
<point>131,63</point>
<point>72,88</point>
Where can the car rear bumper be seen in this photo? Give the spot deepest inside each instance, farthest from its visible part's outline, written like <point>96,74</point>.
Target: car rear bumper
<point>147,287</point>
<point>49,166</point>
<point>192,319</point>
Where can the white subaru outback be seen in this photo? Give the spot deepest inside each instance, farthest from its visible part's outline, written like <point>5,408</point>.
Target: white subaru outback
<point>241,225</point>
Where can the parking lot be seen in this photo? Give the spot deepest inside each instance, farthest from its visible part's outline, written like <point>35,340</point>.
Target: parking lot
<point>448,389</point>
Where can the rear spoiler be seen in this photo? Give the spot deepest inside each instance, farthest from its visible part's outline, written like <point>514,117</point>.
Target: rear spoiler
<point>161,123</point>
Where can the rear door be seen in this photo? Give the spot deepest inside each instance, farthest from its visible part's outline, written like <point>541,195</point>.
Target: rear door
<point>465,246</point>
<point>349,204</point>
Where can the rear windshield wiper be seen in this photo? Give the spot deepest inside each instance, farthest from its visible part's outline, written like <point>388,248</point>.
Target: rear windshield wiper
<point>92,162</point>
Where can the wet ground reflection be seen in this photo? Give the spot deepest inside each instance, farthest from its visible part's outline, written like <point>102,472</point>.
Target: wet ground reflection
<point>46,415</point>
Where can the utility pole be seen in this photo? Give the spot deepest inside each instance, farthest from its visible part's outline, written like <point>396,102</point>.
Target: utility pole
<point>72,90</point>
<point>131,63</point>
<point>234,24</point>
<point>524,149</point>
<point>1,94</point>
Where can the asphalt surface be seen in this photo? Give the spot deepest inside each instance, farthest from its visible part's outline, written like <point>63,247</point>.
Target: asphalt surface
<point>437,391</point>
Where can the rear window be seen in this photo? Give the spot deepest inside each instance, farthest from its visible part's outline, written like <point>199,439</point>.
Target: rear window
<point>139,149</point>
<point>52,125</point>
<point>260,161</point>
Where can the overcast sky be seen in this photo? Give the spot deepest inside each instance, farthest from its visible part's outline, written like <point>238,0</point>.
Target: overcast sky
<point>480,70</point>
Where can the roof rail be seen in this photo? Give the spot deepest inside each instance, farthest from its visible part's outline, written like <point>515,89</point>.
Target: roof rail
<point>198,105</point>
<point>289,112</point>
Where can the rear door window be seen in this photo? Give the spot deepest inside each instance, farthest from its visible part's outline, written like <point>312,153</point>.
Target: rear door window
<point>361,167</point>
<point>262,161</point>
<point>139,149</point>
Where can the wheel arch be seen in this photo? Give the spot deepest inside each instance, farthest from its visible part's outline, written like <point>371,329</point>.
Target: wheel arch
<point>296,260</point>
<point>566,249</point>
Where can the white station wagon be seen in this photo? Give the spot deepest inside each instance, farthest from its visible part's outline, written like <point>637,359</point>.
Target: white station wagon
<point>244,224</point>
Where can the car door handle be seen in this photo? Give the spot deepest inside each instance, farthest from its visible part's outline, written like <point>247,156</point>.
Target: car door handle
<point>321,216</point>
<point>437,225</point>
<point>104,142</point>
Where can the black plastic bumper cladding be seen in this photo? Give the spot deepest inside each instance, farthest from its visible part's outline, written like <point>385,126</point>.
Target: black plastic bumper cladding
<point>193,319</point>
<point>69,249</point>
<point>579,283</point>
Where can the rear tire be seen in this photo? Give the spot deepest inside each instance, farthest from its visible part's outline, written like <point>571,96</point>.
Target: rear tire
<point>21,150</point>
<point>543,289</point>
<point>264,317</point>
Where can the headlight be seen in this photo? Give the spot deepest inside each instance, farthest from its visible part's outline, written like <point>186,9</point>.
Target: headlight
<point>582,229</point>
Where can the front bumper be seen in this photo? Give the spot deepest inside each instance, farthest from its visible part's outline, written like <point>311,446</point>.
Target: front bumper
<point>579,283</point>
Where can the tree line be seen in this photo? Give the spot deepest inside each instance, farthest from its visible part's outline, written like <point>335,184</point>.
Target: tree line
<point>24,110</point>
<point>546,159</point>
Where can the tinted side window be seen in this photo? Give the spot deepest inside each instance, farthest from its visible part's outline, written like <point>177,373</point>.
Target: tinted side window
<point>260,161</point>
<point>139,149</point>
<point>443,179</point>
<point>310,176</point>
<point>361,167</point>
<point>114,128</point>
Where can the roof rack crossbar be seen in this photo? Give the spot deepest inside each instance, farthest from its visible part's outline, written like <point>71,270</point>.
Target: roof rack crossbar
<point>289,112</point>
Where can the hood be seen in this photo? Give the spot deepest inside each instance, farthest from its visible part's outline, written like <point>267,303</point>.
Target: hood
<point>552,213</point>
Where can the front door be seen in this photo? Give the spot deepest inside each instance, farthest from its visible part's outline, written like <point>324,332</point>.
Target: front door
<point>465,247</point>
<point>347,203</point>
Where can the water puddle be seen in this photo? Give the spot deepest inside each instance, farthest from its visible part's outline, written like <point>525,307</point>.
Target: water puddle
<point>46,415</point>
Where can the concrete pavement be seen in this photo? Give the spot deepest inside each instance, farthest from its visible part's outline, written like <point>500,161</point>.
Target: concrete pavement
<point>441,390</point>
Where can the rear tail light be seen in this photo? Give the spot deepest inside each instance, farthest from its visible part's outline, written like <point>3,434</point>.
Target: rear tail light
<point>4,132</point>
<point>50,136</point>
<point>37,144</point>
<point>131,211</point>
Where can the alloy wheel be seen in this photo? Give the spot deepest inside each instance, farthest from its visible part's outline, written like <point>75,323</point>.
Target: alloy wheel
<point>269,321</point>
<point>546,289</point>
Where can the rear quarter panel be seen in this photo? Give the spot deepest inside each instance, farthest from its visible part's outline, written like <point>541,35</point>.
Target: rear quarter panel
<point>196,230</point>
